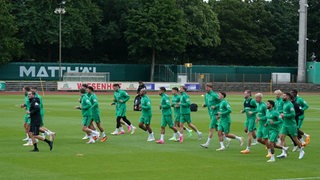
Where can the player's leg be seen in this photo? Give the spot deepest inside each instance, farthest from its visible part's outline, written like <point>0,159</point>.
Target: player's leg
<point>130,125</point>
<point>192,126</point>
<point>116,131</point>
<point>226,129</point>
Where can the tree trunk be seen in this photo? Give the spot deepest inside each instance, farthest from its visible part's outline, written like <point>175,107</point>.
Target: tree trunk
<point>153,64</point>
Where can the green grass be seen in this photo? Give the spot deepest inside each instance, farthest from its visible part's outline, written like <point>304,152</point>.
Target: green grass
<point>131,157</point>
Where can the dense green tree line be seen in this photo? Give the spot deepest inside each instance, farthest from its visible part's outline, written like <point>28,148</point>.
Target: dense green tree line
<point>231,32</point>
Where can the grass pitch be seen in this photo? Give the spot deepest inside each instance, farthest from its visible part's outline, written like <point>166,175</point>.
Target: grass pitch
<point>131,157</point>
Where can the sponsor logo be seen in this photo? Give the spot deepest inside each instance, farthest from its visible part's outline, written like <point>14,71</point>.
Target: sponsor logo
<point>52,71</point>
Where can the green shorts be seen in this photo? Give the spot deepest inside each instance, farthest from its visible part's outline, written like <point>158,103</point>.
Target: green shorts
<point>121,111</point>
<point>166,120</point>
<point>250,124</point>
<point>96,118</point>
<point>27,119</point>
<point>213,122</point>
<point>185,118</point>
<point>262,132</point>
<point>86,120</point>
<point>176,117</point>
<point>289,130</point>
<point>224,127</point>
<point>273,135</point>
<point>145,119</point>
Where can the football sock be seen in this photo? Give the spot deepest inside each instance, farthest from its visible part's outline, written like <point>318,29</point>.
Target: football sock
<point>162,137</point>
<point>208,141</point>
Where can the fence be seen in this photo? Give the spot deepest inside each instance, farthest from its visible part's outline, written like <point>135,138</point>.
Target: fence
<point>87,77</point>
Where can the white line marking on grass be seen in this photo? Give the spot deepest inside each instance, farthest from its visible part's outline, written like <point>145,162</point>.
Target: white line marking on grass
<point>306,178</point>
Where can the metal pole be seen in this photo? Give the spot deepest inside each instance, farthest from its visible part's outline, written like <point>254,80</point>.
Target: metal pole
<point>302,41</point>
<point>60,70</point>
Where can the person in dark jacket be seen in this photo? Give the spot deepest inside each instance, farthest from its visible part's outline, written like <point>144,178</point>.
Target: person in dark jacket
<point>141,86</point>
<point>35,122</point>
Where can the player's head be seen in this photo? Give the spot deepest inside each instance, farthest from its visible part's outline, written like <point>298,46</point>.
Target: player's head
<point>222,95</point>
<point>278,93</point>
<point>258,97</point>
<point>140,83</point>
<point>162,90</point>
<point>183,88</point>
<point>90,89</point>
<point>294,93</point>
<point>270,104</point>
<point>143,92</point>
<point>34,89</point>
<point>84,86</point>
<point>116,86</point>
<point>175,90</point>
<point>26,89</point>
<point>247,93</point>
<point>287,96</point>
<point>209,87</point>
<point>31,94</point>
<point>82,91</point>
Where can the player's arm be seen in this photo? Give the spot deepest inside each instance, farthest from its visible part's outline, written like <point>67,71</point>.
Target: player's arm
<point>186,103</point>
<point>291,113</point>
<point>263,118</point>
<point>125,96</point>
<point>35,108</point>
<point>146,106</point>
<point>305,105</point>
<point>86,105</point>
<point>227,107</point>
<point>95,103</point>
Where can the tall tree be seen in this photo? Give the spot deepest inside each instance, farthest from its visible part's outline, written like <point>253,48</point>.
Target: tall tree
<point>202,28</point>
<point>39,26</point>
<point>243,32</point>
<point>10,46</point>
<point>155,26</point>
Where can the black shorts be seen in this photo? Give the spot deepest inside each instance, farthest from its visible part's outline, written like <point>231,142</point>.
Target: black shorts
<point>34,129</point>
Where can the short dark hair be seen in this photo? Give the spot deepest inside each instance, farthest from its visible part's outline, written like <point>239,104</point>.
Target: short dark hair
<point>271,102</point>
<point>289,94</point>
<point>85,85</point>
<point>116,84</point>
<point>248,91</point>
<point>27,88</point>
<point>82,91</point>
<point>210,85</point>
<point>184,87</point>
<point>223,94</point>
<point>175,88</point>
<point>294,91</point>
<point>163,89</point>
<point>91,88</point>
<point>35,87</point>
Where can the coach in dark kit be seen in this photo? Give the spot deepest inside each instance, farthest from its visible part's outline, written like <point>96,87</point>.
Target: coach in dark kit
<point>35,123</point>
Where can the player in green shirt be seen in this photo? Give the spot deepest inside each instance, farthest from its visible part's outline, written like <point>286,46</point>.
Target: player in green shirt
<point>86,112</point>
<point>225,121</point>
<point>250,108</point>
<point>146,115</point>
<point>273,124</point>
<point>212,101</point>
<point>120,99</point>
<point>26,106</point>
<point>262,133</point>
<point>96,111</point>
<point>278,103</point>
<point>304,106</point>
<point>165,108</point>
<point>176,109</point>
<point>185,113</point>
<point>289,126</point>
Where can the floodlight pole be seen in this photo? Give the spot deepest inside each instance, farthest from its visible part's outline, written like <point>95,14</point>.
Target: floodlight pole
<point>61,10</point>
<point>302,49</point>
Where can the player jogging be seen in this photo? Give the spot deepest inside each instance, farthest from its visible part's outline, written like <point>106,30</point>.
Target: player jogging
<point>262,133</point>
<point>35,122</point>
<point>96,111</point>
<point>185,113</point>
<point>165,108</point>
<point>225,121</point>
<point>250,106</point>
<point>289,124</point>
<point>146,115</point>
<point>120,99</point>
<point>212,101</point>
<point>273,124</point>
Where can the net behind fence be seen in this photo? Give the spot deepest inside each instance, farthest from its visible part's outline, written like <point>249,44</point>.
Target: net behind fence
<point>87,77</point>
